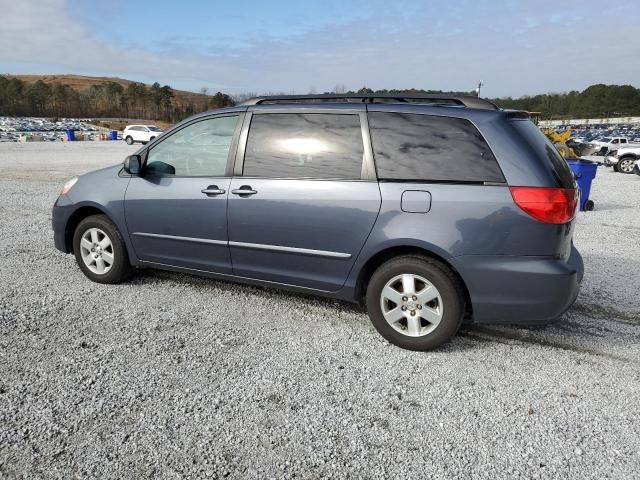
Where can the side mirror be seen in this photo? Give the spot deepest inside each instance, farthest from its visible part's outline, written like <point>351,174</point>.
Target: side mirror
<point>132,164</point>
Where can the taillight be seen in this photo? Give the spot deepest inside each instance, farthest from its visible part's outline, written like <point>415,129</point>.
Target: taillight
<point>548,205</point>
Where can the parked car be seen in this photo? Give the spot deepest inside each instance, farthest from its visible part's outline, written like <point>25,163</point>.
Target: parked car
<point>140,133</point>
<point>623,160</point>
<point>428,209</point>
<point>610,142</point>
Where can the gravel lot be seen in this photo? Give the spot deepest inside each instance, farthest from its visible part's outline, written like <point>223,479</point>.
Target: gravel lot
<point>173,376</point>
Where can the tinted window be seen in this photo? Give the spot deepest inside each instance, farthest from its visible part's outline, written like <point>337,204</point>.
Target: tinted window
<point>199,150</point>
<point>298,145</point>
<point>545,150</point>
<point>423,147</point>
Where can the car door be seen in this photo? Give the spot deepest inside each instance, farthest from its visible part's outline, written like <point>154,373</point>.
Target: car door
<point>304,199</point>
<point>176,211</point>
<point>138,134</point>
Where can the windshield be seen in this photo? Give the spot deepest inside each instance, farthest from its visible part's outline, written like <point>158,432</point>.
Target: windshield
<point>153,128</point>
<point>605,139</point>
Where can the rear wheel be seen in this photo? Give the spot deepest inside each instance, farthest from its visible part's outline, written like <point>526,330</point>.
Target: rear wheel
<point>129,140</point>
<point>415,302</point>
<point>100,250</point>
<point>625,165</point>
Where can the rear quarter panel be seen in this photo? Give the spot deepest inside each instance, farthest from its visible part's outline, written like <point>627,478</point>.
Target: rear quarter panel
<point>463,220</point>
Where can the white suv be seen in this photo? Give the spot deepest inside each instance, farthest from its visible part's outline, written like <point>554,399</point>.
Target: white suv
<point>140,133</point>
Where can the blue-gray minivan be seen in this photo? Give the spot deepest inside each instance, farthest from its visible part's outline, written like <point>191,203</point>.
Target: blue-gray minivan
<point>429,210</point>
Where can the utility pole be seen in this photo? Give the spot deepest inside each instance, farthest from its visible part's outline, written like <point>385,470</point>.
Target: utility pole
<point>480,84</point>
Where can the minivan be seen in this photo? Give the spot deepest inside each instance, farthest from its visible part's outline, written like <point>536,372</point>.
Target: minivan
<point>428,210</point>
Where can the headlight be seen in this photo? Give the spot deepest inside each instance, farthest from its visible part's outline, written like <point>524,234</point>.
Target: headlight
<point>68,185</point>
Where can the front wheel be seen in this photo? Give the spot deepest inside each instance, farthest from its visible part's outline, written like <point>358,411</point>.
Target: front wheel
<point>625,165</point>
<point>100,250</point>
<point>129,140</point>
<point>415,302</point>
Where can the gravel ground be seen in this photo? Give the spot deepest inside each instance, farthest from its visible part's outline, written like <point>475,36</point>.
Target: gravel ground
<point>173,376</point>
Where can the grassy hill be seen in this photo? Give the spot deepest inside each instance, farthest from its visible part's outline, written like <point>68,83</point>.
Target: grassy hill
<point>82,83</point>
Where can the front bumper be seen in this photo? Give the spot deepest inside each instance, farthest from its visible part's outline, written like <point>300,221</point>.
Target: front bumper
<point>521,289</point>
<point>609,160</point>
<point>59,219</point>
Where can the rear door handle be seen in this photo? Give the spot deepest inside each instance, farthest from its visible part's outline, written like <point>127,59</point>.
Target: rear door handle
<point>244,190</point>
<point>212,190</point>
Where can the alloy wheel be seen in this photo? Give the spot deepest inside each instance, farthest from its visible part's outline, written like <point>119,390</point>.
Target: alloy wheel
<point>96,251</point>
<point>411,305</point>
<point>626,166</point>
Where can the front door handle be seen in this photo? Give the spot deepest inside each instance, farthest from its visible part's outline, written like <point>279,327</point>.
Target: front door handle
<point>212,190</point>
<point>244,190</point>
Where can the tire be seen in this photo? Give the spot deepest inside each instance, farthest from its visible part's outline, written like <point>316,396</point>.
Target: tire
<point>589,205</point>
<point>417,327</point>
<point>625,164</point>
<point>129,140</point>
<point>152,139</point>
<point>95,229</point>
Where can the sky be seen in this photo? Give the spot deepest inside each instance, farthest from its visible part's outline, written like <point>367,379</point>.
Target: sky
<point>516,47</point>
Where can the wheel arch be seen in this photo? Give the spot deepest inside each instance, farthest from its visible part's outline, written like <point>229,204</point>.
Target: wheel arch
<point>386,254</point>
<point>74,220</point>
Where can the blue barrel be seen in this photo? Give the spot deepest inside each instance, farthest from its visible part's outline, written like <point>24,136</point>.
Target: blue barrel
<point>585,172</point>
<point>71,135</point>
<point>113,135</point>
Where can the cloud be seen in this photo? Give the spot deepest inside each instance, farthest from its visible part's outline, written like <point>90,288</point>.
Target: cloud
<point>515,47</point>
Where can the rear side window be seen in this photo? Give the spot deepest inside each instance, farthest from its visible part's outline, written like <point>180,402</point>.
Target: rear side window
<point>427,148</point>
<point>544,149</point>
<point>297,145</point>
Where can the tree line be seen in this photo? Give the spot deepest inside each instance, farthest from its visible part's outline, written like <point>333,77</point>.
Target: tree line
<point>595,101</point>
<point>156,102</point>
<point>109,99</point>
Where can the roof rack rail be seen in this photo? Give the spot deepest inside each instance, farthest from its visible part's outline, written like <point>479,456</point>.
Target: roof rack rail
<point>438,99</point>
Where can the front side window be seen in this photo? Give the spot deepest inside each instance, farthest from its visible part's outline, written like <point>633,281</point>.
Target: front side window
<point>413,147</point>
<point>304,145</point>
<point>199,150</point>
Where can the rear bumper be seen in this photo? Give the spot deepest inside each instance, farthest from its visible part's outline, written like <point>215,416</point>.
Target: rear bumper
<point>521,290</point>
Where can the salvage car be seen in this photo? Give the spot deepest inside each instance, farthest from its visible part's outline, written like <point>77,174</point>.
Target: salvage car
<point>623,160</point>
<point>428,210</point>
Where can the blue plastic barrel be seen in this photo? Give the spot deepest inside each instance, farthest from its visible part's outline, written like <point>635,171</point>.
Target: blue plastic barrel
<point>113,135</point>
<point>71,135</point>
<point>585,172</point>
